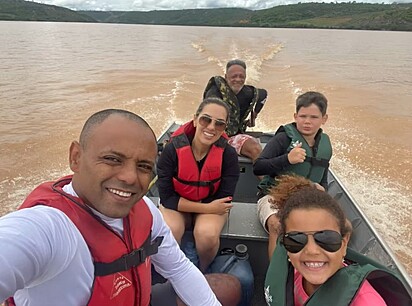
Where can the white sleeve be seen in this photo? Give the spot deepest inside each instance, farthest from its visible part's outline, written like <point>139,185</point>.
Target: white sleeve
<point>36,244</point>
<point>187,280</point>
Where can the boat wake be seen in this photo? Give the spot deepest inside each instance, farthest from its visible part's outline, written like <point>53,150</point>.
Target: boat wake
<point>254,59</point>
<point>383,202</point>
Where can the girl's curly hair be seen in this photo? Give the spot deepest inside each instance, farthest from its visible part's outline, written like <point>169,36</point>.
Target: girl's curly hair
<point>296,192</point>
<point>285,185</point>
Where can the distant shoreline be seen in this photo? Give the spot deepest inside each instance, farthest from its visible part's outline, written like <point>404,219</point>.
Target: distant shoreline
<point>348,16</point>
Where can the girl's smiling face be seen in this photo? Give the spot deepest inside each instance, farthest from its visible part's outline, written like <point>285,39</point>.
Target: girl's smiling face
<point>314,263</point>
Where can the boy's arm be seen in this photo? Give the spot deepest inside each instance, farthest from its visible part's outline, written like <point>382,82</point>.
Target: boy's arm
<point>274,157</point>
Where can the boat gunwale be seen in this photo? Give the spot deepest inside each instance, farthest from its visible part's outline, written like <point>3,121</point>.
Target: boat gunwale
<point>399,266</point>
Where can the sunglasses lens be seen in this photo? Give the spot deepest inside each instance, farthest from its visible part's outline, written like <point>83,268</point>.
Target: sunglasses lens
<point>330,241</point>
<point>205,121</point>
<point>220,125</point>
<point>295,242</point>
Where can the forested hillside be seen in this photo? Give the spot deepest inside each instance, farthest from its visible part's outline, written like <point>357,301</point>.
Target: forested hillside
<point>350,15</point>
<point>214,17</point>
<point>337,15</point>
<point>33,11</point>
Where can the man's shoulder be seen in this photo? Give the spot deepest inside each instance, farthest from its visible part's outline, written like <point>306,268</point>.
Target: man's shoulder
<point>153,207</point>
<point>246,93</point>
<point>212,87</point>
<point>213,91</point>
<point>42,213</point>
<point>249,89</point>
<point>49,221</point>
<point>149,202</point>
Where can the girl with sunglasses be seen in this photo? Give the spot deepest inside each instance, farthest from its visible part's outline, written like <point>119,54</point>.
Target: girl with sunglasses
<point>197,176</point>
<point>308,266</point>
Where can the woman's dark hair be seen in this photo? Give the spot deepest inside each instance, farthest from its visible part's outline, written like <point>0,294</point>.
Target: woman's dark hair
<point>295,192</point>
<point>212,100</point>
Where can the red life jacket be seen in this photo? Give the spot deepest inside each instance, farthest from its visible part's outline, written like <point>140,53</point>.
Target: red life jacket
<point>189,182</point>
<point>120,277</point>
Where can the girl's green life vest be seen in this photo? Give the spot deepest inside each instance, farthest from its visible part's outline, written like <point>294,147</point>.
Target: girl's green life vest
<point>340,289</point>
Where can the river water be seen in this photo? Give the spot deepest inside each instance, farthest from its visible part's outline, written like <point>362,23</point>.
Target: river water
<point>55,75</point>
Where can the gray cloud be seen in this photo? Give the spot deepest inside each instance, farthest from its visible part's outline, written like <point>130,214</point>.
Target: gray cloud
<point>149,5</point>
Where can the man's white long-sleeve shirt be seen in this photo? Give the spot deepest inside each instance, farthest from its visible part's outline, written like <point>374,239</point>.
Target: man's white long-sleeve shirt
<point>44,259</point>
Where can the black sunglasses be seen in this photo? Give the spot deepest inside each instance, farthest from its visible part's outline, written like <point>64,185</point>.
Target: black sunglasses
<point>205,120</point>
<point>328,240</point>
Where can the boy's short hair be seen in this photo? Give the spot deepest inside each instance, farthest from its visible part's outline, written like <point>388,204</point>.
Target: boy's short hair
<point>312,97</point>
<point>235,62</point>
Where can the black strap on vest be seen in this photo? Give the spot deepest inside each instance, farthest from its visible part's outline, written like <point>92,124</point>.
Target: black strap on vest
<point>128,261</point>
<point>180,141</point>
<point>209,184</point>
<point>319,162</point>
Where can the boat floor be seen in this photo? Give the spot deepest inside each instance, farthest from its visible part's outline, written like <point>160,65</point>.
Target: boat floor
<point>241,228</point>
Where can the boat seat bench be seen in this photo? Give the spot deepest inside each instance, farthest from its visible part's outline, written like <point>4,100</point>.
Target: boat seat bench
<point>243,222</point>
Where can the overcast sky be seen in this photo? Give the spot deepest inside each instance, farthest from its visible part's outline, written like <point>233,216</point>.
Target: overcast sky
<point>149,5</point>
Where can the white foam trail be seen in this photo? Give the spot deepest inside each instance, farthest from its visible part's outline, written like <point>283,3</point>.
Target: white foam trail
<point>20,186</point>
<point>384,202</point>
<point>380,199</point>
<point>254,60</point>
<point>201,48</point>
<point>198,46</point>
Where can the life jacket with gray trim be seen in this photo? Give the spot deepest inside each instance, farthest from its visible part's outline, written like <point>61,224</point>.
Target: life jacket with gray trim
<point>189,182</point>
<point>316,161</point>
<point>122,268</point>
<point>236,125</point>
<point>340,289</point>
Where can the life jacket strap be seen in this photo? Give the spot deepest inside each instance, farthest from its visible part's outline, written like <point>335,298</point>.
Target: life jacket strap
<point>209,184</point>
<point>130,260</point>
<point>198,183</point>
<point>319,162</point>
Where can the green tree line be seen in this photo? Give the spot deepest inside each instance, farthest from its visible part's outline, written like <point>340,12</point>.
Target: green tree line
<point>33,11</point>
<point>333,15</point>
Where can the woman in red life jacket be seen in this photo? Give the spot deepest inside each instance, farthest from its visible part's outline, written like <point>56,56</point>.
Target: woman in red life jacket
<point>197,176</point>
